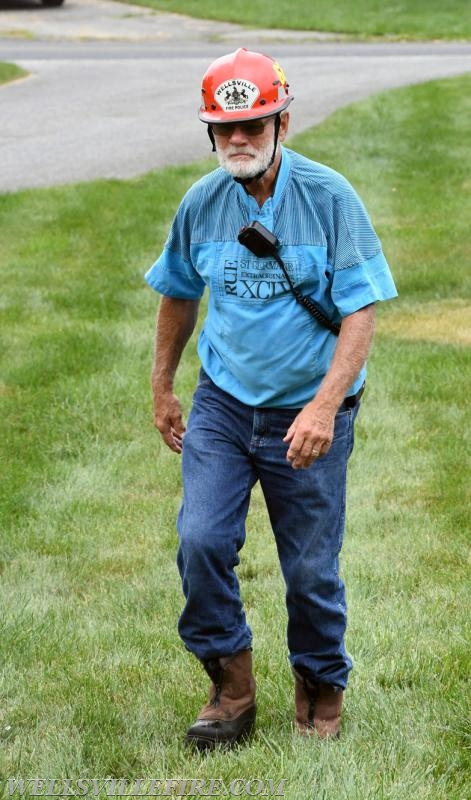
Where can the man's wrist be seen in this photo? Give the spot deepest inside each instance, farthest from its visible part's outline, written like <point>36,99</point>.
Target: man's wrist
<point>162,383</point>
<point>328,401</point>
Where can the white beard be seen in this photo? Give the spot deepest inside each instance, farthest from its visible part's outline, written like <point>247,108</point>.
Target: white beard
<point>248,168</point>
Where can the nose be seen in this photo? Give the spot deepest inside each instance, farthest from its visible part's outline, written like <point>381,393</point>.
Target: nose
<point>238,135</point>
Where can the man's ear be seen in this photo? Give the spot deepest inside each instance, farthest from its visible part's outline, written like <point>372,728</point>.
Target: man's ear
<point>284,125</point>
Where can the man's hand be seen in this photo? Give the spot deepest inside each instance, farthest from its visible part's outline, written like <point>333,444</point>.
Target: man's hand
<point>168,420</point>
<point>310,435</point>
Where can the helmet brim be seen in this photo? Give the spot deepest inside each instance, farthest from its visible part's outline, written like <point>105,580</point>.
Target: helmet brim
<point>220,115</point>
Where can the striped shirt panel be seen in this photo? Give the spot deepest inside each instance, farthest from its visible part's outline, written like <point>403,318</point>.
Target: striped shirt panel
<point>317,207</point>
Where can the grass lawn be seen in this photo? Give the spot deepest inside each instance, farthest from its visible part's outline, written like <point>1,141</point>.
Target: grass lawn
<point>94,681</point>
<point>408,19</point>
<point>10,72</point>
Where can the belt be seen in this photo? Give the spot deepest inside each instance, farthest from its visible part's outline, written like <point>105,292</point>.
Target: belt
<point>352,399</point>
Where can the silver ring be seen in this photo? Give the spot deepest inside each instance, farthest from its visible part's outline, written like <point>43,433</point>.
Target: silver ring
<point>315,452</point>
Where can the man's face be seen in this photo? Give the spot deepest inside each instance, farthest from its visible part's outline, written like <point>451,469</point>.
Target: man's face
<point>244,149</point>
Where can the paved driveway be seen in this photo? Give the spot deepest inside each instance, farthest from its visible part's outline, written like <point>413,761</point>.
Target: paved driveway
<point>114,88</point>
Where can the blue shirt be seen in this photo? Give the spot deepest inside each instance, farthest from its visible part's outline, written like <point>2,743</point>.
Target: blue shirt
<point>257,343</point>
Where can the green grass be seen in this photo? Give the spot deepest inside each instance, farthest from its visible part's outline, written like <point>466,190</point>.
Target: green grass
<point>10,72</point>
<point>94,680</point>
<point>409,19</point>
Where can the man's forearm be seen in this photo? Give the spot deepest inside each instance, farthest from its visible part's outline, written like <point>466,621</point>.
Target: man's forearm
<point>176,321</point>
<point>311,433</point>
<point>353,345</point>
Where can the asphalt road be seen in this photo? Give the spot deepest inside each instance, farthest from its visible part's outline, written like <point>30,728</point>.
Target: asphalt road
<point>113,89</point>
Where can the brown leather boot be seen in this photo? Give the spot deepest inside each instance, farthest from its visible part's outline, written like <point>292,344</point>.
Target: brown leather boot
<point>318,706</point>
<point>230,713</point>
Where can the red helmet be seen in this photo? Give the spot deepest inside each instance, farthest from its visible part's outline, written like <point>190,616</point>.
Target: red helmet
<point>242,86</point>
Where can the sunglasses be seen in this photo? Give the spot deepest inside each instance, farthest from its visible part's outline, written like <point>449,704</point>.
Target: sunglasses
<point>254,128</point>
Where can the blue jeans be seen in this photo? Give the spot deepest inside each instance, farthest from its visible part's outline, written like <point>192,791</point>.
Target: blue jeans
<point>228,446</point>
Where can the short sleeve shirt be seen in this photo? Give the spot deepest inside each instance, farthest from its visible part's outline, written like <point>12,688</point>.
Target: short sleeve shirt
<point>257,343</point>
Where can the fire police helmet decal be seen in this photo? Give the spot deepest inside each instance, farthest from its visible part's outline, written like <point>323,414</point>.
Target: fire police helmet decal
<point>236,95</point>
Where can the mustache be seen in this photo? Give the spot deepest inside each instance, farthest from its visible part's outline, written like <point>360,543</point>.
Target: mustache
<point>234,151</point>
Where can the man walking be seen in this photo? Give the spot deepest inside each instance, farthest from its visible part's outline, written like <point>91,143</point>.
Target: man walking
<point>294,269</point>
